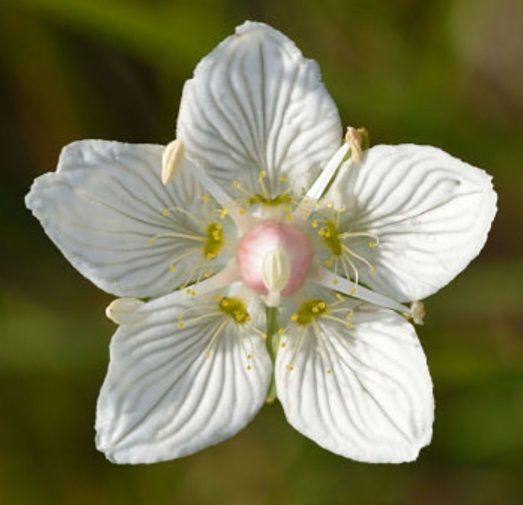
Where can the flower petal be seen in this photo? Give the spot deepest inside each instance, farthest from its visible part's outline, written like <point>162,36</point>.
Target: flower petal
<point>172,389</point>
<point>364,393</point>
<point>254,104</point>
<point>431,212</point>
<point>105,202</point>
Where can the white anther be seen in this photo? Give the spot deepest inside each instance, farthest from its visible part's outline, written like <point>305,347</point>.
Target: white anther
<point>172,159</point>
<point>276,272</point>
<point>125,311</point>
<point>417,312</point>
<point>354,138</point>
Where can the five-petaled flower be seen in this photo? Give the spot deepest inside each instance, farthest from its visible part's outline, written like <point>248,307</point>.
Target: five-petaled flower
<point>276,255</point>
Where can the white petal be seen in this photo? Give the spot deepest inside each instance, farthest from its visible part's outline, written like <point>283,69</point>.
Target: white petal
<point>254,104</point>
<point>431,212</point>
<point>104,203</point>
<point>166,396</point>
<point>364,393</point>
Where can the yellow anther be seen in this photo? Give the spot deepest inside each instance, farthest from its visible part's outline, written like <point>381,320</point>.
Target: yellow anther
<point>249,356</point>
<point>283,345</point>
<point>262,174</point>
<point>241,211</point>
<point>280,332</point>
<point>237,185</point>
<point>314,224</point>
<point>248,367</point>
<point>151,241</point>
<point>205,198</point>
<point>223,213</point>
<point>373,245</point>
<point>329,205</point>
<point>181,325</point>
<point>341,298</point>
<point>335,281</point>
<point>166,212</point>
<point>353,291</point>
<point>172,268</point>
<point>207,274</point>
<point>294,317</point>
<point>328,371</point>
<point>290,368</point>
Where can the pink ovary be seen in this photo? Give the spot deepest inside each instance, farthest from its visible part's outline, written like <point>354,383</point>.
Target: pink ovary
<point>268,236</point>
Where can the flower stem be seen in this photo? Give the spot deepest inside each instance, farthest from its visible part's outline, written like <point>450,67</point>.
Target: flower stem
<point>272,342</point>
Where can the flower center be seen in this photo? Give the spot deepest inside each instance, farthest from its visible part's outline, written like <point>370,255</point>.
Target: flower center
<point>274,257</point>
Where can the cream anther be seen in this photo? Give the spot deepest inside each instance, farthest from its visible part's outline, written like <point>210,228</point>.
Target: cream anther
<point>354,138</point>
<point>172,159</point>
<point>125,311</point>
<point>417,312</point>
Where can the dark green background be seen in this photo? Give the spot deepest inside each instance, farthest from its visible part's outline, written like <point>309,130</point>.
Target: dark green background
<point>447,73</point>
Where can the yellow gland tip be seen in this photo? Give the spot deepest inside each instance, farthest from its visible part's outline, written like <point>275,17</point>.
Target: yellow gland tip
<point>235,309</point>
<point>309,311</point>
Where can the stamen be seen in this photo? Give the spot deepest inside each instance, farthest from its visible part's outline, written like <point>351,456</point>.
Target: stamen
<point>371,267</point>
<point>224,278</point>
<point>355,140</point>
<point>326,278</point>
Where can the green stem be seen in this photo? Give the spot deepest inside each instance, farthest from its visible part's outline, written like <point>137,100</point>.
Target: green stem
<point>272,342</point>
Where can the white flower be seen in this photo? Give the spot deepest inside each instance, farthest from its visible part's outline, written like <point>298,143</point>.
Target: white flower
<point>271,225</point>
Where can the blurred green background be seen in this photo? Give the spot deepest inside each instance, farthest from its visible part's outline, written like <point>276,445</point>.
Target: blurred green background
<point>441,72</point>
